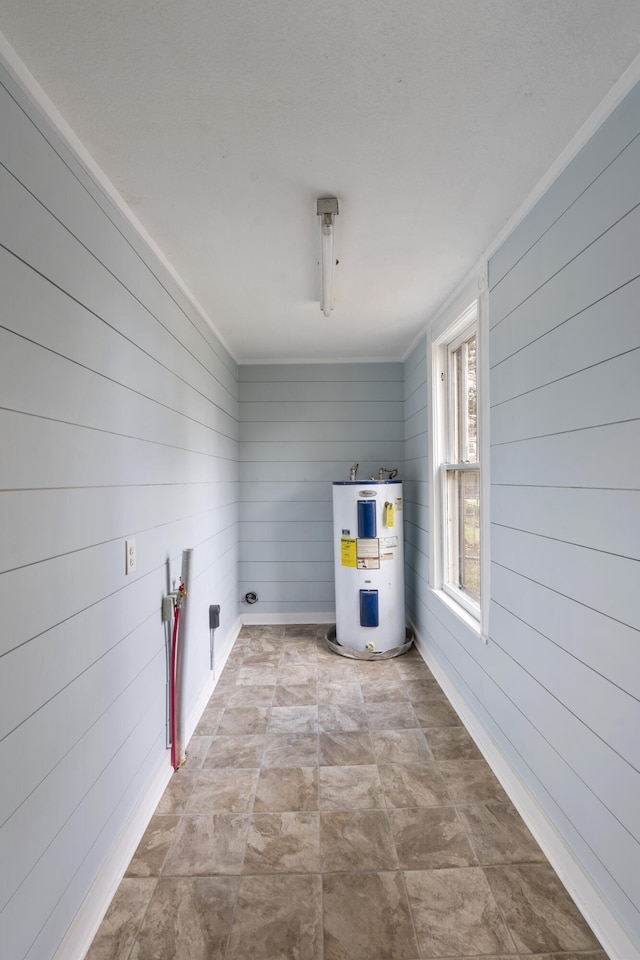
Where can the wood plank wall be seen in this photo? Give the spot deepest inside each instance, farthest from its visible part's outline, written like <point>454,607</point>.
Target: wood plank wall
<point>565,509</point>
<point>558,686</point>
<point>302,426</point>
<point>118,418</point>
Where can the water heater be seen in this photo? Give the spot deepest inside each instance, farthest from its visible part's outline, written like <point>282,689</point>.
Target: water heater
<point>369,570</point>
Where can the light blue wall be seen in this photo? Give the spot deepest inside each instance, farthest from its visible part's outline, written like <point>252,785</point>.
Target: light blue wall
<point>302,426</point>
<point>118,418</point>
<point>558,686</point>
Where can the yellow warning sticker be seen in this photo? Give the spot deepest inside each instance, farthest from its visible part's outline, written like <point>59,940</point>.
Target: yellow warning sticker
<point>348,551</point>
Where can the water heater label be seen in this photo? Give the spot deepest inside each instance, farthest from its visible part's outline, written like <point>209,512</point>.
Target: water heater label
<point>348,552</point>
<point>398,503</point>
<point>368,554</point>
<point>386,543</point>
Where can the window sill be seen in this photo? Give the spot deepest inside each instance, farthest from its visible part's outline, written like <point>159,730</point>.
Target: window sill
<point>471,622</point>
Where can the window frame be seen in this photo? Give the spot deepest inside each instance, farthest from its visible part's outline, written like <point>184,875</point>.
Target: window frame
<point>453,426</point>
<point>445,337</point>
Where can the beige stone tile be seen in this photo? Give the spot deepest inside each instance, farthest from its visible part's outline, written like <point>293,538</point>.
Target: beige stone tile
<point>412,669</point>
<point>177,792</point>
<point>256,658</point>
<point>207,845</point>
<point>471,781</point>
<point>187,919</point>
<point>296,674</point>
<point>539,912</point>
<point>259,631</point>
<point>259,675</point>
<point>324,655</point>
<point>356,840</point>
<point>292,694</point>
<point>366,909</point>
<point>195,752</point>
<point>291,750</point>
<point>430,837</point>
<point>150,854</point>
<point>224,790</point>
<point>337,691</point>
<point>345,749</point>
<point>250,695</point>
<point>123,919</point>
<point>313,631</point>
<point>413,785</point>
<point>282,843</point>
<point>295,719</point>
<point>590,955</point>
<point>277,918</point>
<point>221,694</point>
<point>262,636</point>
<point>286,789</point>
<point>452,743</point>
<point>350,788</point>
<point>337,668</point>
<point>366,917</point>
<point>436,711</point>
<point>375,671</point>
<point>298,650</point>
<point>345,717</point>
<point>235,751</point>
<point>391,715</point>
<point>498,834</point>
<point>209,721</point>
<point>400,746</point>
<point>455,914</point>
<point>247,721</point>
<point>383,691</point>
<point>237,655</point>
<point>418,691</point>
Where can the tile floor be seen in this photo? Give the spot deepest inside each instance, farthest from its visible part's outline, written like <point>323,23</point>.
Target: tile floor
<point>333,809</point>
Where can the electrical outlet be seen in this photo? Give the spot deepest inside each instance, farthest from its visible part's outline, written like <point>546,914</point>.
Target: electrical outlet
<point>130,558</point>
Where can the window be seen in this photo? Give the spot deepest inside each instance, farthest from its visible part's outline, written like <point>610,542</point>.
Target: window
<point>461,475</point>
<point>456,472</point>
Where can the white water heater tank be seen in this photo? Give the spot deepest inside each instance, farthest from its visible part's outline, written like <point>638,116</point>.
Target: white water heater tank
<point>369,566</point>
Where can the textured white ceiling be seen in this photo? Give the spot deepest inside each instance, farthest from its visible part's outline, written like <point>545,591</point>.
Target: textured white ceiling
<point>221,122</point>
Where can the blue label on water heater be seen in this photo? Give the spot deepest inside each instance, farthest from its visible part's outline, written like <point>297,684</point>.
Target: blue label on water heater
<point>369,608</point>
<point>366,519</point>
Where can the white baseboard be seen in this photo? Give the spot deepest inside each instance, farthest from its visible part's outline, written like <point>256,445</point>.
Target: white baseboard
<point>221,651</point>
<point>615,940</point>
<point>80,934</point>
<point>276,618</point>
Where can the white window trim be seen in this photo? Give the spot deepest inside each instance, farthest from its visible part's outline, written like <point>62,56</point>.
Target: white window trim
<point>439,337</point>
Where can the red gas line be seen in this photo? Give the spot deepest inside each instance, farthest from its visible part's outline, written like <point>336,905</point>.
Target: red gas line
<point>182,593</point>
<point>172,685</point>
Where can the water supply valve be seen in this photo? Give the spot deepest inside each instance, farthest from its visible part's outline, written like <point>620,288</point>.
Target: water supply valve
<point>172,600</point>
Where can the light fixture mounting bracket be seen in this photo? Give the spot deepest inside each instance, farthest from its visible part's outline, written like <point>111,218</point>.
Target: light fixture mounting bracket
<point>327,205</point>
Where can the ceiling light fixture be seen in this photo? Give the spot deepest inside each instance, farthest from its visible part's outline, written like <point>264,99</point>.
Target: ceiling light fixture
<point>327,209</point>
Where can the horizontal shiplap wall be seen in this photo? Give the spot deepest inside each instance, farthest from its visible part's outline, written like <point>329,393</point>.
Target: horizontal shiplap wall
<point>565,507</point>
<point>416,486</point>
<point>557,687</point>
<point>118,419</point>
<point>302,426</point>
